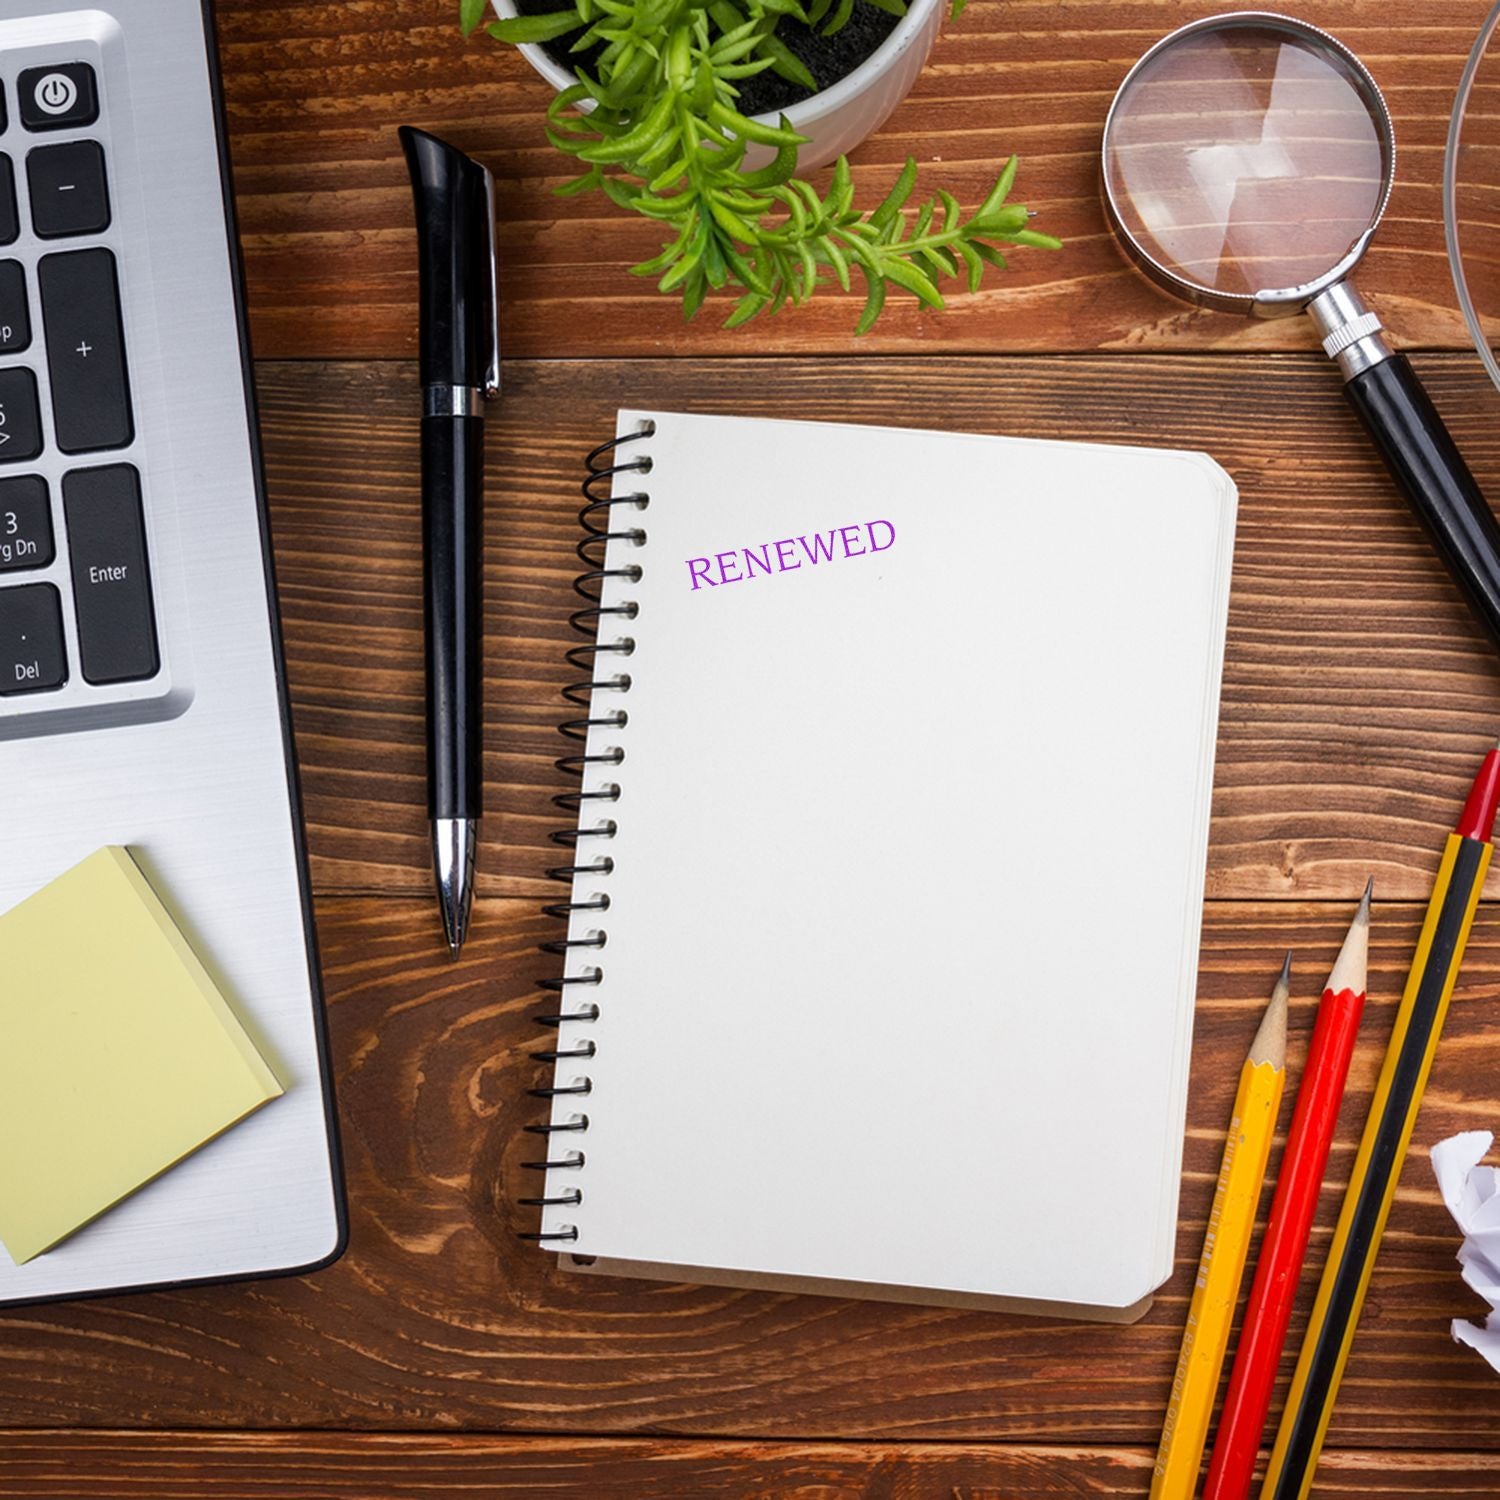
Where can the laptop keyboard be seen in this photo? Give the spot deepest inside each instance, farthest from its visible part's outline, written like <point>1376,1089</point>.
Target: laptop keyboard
<point>60,314</point>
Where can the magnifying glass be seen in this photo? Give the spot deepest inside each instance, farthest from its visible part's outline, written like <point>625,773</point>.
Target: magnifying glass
<point>1247,161</point>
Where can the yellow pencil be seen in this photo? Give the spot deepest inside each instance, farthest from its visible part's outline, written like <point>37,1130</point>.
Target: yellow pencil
<point>1226,1246</point>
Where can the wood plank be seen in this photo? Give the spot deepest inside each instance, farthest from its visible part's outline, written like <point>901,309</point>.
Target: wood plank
<point>314,95</point>
<point>439,1318</point>
<point>1358,695</point>
<point>389,1466</point>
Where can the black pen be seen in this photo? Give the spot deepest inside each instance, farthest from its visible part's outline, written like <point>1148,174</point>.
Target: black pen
<point>460,371</point>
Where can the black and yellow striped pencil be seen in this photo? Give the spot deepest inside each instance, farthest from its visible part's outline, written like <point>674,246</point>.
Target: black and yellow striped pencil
<point>1382,1149</point>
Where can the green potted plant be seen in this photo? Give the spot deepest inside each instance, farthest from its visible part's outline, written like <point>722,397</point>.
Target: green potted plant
<point>656,107</point>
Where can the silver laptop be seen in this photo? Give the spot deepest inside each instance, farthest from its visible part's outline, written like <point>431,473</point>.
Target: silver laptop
<point>142,694</point>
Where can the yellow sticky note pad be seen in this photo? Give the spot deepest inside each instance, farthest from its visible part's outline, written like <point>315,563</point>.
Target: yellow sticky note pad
<point>119,1056</point>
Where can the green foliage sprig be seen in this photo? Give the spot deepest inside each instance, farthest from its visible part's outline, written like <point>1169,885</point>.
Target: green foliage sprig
<point>654,126</point>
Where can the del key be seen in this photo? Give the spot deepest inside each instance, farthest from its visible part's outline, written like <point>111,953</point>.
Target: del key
<point>85,350</point>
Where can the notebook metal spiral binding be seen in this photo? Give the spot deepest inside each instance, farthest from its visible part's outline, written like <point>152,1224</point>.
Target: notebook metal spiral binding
<point>597,519</point>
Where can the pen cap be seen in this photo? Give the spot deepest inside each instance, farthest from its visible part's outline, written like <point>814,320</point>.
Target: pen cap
<point>455,250</point>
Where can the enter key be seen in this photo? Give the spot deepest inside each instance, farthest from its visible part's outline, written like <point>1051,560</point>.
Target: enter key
<point>111,574</point>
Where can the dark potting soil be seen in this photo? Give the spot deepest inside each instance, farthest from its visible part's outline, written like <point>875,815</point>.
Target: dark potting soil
<point>827,58</point>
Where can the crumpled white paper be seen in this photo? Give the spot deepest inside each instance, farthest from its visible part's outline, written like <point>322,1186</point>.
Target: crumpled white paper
<point>1472,1193</point>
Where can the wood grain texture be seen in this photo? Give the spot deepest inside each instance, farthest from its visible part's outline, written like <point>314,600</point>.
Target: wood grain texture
<point>388,1466</point>
<point>1358,695</point>
<point>315,91</point>
<point>438,1318</point>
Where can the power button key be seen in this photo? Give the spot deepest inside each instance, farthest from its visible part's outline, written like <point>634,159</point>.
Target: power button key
<point>58,96</point>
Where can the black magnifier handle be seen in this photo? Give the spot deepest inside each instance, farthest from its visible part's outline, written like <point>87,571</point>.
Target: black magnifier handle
<point>1418,450</point>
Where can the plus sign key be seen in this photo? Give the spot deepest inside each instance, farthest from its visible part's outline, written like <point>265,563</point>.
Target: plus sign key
<point>32,656</point>
<point>57,96</point>
<point>85,350</point>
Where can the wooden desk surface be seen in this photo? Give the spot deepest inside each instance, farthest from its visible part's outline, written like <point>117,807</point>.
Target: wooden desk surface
<point>440,1356</point>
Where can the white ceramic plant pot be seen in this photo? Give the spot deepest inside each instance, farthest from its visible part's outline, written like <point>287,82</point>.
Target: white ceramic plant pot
<point>839,118</point>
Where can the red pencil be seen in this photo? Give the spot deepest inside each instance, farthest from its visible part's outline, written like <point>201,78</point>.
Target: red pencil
<point>1269,1309</point>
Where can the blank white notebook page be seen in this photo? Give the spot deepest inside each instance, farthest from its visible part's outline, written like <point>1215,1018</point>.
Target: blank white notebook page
<point>908,859</point>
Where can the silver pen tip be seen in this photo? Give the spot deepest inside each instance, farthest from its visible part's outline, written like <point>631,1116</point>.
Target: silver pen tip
<point>453,848</point>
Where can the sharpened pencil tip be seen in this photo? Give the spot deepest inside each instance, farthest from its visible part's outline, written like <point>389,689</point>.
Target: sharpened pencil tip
<point>1352,964</point>
<point>1269,1045</point>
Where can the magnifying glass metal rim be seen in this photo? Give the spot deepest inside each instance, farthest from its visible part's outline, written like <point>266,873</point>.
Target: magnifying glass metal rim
<point>1271,302</point>
<point>1451,225</point>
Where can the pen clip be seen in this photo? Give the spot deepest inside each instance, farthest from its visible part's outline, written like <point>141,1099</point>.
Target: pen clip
<point>492,370</point>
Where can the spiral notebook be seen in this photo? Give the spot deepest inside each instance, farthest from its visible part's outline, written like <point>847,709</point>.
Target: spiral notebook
<point>888,869</point>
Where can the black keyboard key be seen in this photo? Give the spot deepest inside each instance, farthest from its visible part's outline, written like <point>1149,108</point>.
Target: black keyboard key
<point>85,350</point>
<point>68,191</point>
<point>57,96</point>
<point>15,314</point>
<point>32,656</point>
<point>20,417</point>
<point>111,577</point>
<point>10,218</point>
<point>25,523</point>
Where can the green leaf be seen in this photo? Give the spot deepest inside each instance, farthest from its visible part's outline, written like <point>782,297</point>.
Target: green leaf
<point>566,99</point>
<point>839,262</point>
<point>810,197</point>
<point>904,274</point>
<point>941,260</point>
<point>743,268</point>
<point>1036,239</point>
<point>895,200</point>
<point>797,215</point>
<point>970,257</point>
<point>747,129</point>
<point>746,308</point>
<point>669,176</point>
<point>840,18</point>
<point>1001,190</point>
<point>743,203</point>
<point>576,185</point>
<point>786,62</point>
<point>778,170</point>
<point>809,269</point>
<point>470,14</point>
<point>620,192</point>
<point>874,301</point>
<point>1008,219</point>
<point>989,254</point>
<point>745,70</point>
<point>690,265</point>
<point>668,255</point>
<point>534,28</point>
<point>731,223</point>
<point>635,141</point>
<point>840,190</point>
<point>713,261</point>
<point>693,293</point>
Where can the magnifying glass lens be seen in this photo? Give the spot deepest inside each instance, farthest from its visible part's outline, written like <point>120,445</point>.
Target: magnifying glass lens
<point>1246,159</point>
